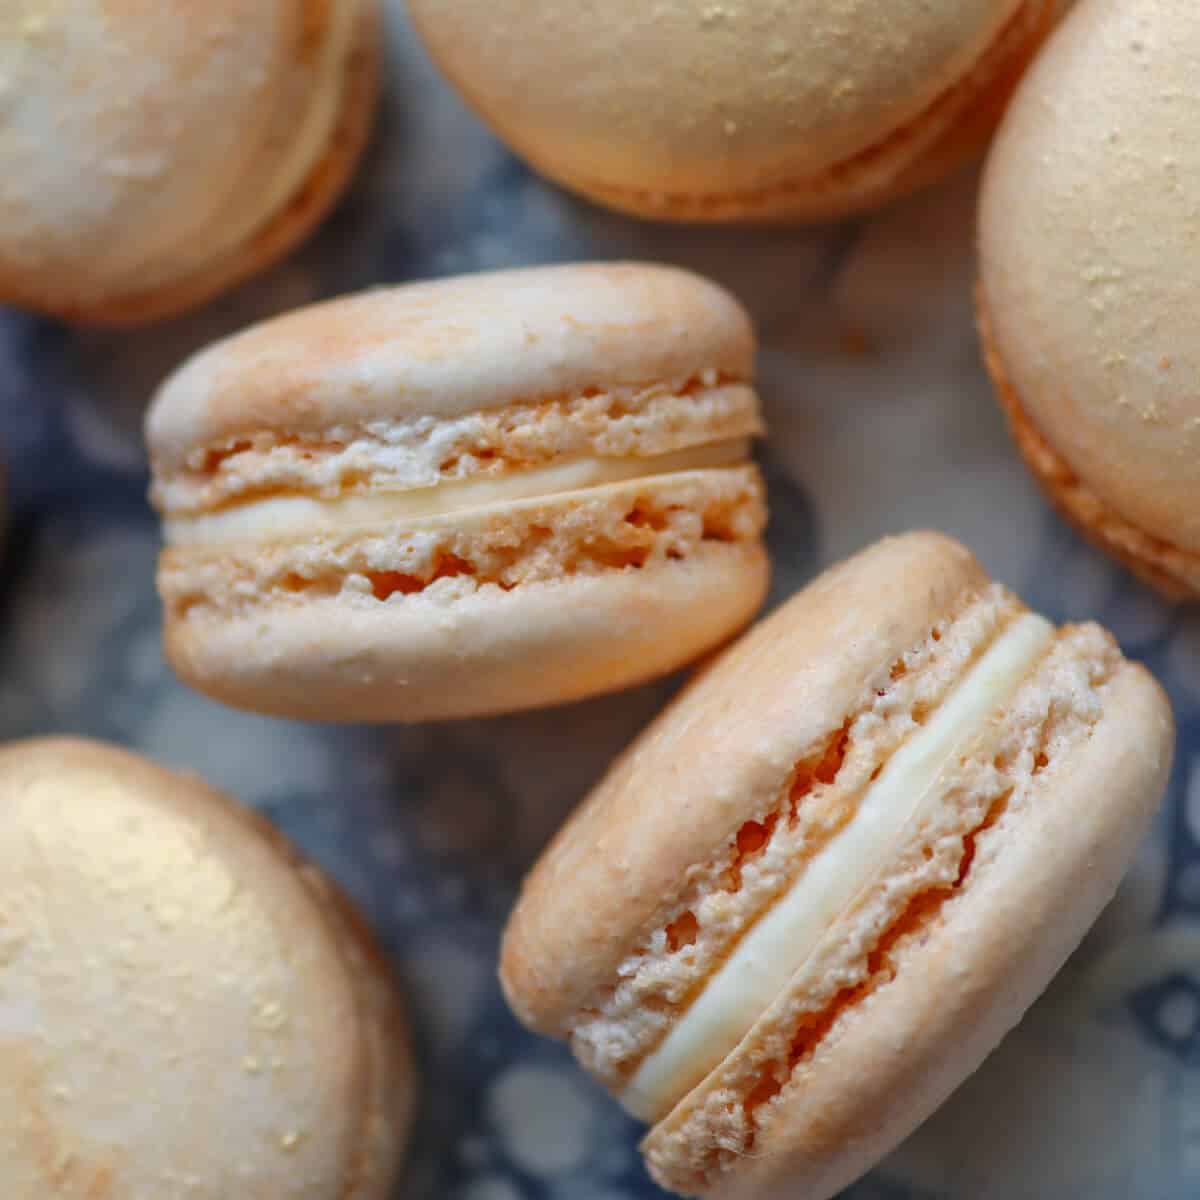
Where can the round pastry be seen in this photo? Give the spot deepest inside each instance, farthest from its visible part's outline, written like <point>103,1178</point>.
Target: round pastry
<point>740,110</point>
<point>817,891</point>
<point>1090,272</point>
<point>462,497</point>
<point>155,154</point>
<point>187,1008</point>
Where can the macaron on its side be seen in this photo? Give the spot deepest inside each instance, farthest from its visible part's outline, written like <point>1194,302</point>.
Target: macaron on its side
<point>1089,265</point>
<point>844,783</point>
<point>187,1005</point>
<point>803,116</point>
<point>219,176</point>
<point>462,497</point>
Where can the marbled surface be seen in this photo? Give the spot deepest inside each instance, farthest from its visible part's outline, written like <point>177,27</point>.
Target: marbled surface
<point>882,420</point>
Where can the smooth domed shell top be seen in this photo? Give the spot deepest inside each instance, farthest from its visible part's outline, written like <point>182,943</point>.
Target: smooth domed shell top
<point>134,135</point>
<point>449,347</point>
<point>175,1014</point>
<point>688,94</point>
<point>1090,240</point>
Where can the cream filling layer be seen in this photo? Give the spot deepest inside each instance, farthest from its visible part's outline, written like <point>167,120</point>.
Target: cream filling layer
<point>280,518</point>
<point>910,785</point>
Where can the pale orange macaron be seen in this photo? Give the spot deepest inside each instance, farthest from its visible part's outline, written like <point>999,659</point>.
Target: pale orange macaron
<point>462,497</point>
<point>188,1008</point>
<point>739,110</point>
<point>155,154</point>
<point>816,892</point>
<point>1090,272</point>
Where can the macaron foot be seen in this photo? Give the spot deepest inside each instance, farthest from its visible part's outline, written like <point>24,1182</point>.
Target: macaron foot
<point>1171,570</point>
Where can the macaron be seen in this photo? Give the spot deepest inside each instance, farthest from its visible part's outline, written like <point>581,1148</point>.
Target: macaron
<point>737,111</point>
<point>1090,269</point>
<point>821,886</point>
<point>153,155</point>
<point>187,1007</point>
<point>462,497</point>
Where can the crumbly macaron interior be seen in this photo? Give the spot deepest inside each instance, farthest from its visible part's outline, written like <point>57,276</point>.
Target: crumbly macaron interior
<point>994,788</point>
<point>758,913</point>
<point>297,516</point>
<point>424,450</point>
<point>533,492</point>
<point>911,783</point>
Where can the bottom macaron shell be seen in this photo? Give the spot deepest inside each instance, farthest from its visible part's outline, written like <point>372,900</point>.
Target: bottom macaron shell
<point>307,208</point>
<point>947,988</point>
<point>1172,570</point>
<point>947,134</point>
<point>454,652</point>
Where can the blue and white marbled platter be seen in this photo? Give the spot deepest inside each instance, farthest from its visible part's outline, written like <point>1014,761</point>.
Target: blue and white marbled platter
<point>881,419</point>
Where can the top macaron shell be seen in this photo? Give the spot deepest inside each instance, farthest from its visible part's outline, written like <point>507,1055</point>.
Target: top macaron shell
<point>140,142</point>
<point>1090,242</point>
<point>695,101</point>
<point>186,1009</point>
<point>575,439</point>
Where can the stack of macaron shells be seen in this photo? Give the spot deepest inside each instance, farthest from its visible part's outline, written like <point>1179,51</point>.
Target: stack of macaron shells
<point>125,200</point>
<point>1090,248</point>
<point>467,496</point>
<point>734,110</point>
<point>797,912</point>
<point>188,1007</point>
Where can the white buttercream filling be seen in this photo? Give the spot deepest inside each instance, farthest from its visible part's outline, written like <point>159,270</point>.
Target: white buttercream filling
<point>280,518</point>
<point>912,784</point>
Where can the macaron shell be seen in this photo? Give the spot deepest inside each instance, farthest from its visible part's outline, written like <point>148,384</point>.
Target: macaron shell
<point>951,130</point>
<point>470,654</point>
<point>169,178</point>
<point>1173,571</point>
<point>1091,260</point>
<point>892,1058</point>
<point>180,1013</point>
<point>449,348</point>
<point>309,206</point>
<point>683,98</point>
<point>722,752</point>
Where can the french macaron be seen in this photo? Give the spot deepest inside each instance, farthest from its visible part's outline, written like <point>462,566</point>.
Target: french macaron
<point>153,155</point>
<point>462,497</point>
<point>188,1008</point>
<point>816,892</point>
<point>1090,270</point>
<point>739,110</point>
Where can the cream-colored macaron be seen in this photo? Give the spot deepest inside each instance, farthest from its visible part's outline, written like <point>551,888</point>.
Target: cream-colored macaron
<point>462,497</point>
<point>186,1007</point>
<point>738,109</point>
<point>1090,243</point>
<point>817,891</point>
<point>154,154</point>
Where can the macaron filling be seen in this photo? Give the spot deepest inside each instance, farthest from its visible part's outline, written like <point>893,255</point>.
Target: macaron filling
<point>910,786</point>
<point>291,517</point>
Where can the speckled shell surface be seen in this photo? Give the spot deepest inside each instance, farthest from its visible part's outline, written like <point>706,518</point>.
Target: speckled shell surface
<point>1090,241</point>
